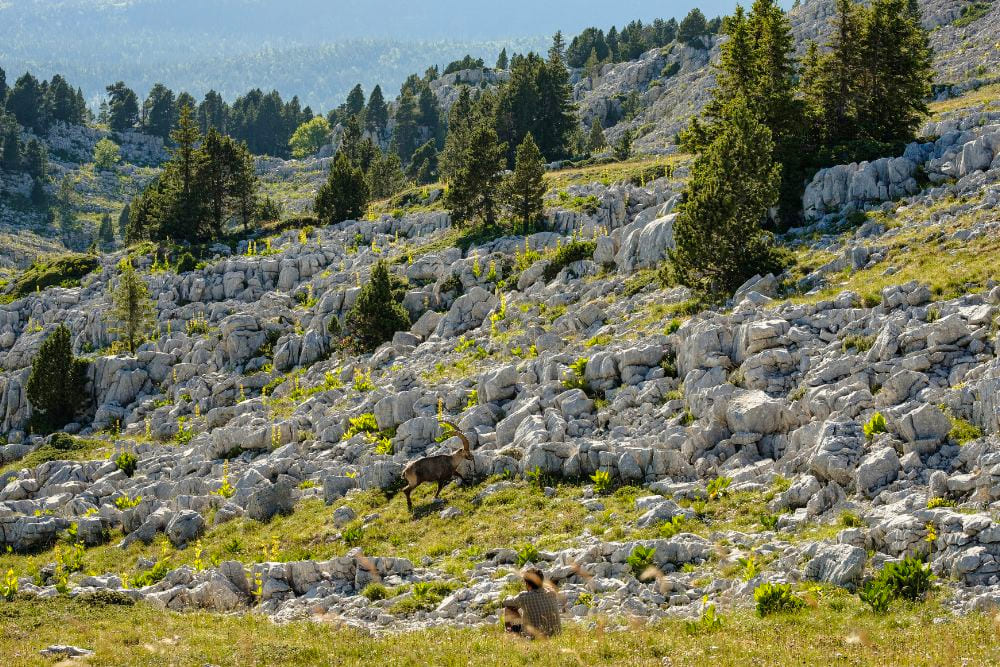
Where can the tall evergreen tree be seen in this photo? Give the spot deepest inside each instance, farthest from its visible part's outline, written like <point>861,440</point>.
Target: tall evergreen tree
<point>558,49</point>
<point>423,167</point>
<point>56,382</point>
<point>159,111</point>
<point>3,87</point>
<point>525,188</point>
<point>502,60</point>
<point>105,233</point>
<point>131,312</point>
<point>377,113</point>
<point>385,175</point>
<point>355,103</point>
<point>344,195</point>
<point>597,141</point>
<point>26,102</point>
<point>472,192</point>
<point>460,120</point>
<point>693,28</point>
<point>898,71</point>
<point>123,107</point>
<point>213,112</point>
<point>720,242</point>
<point>406,137</point>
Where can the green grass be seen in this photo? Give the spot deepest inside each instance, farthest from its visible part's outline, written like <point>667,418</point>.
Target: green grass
<point>925,253</point>
<point>454,544</point>
<point>833,630</point>
<point>63,448</point>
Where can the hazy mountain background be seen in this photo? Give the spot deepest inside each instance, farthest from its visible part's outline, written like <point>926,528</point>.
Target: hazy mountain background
<point>316,49</point>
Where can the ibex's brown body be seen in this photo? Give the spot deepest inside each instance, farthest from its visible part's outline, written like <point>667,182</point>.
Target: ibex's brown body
<point>441,468</point>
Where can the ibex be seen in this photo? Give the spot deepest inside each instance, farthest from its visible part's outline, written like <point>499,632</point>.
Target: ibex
<point>441,468</point>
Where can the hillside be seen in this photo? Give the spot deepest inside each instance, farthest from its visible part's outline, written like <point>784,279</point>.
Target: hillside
<point>806,467</point>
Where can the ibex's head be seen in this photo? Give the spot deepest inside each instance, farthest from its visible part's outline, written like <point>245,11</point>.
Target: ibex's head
<point>466,449</point>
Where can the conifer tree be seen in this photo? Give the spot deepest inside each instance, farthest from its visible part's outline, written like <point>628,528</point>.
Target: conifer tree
<point>55,384</point>
<point>344,196</point>
<point>472,192</point>
<point>526,186</point>
<point>131,313</point>
<point>385,175</point>
<point>718,231</point>
<point>105,233</point>
<point>377,113</point>
<point>623,147</point>
<point>123,107</point>
<point>692,28</point>
<point>456,144</point>
<point>596,141</point>
<point>423,167</point>
<point>502,60</point>
<point>898,67</point>
<point>376,314</point>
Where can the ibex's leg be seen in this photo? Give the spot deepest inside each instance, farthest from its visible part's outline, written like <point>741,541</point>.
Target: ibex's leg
<point>441,484</point>
<point>409,503</point>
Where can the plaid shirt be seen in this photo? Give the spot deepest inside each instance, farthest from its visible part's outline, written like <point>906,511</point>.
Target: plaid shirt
<point>539,612</point>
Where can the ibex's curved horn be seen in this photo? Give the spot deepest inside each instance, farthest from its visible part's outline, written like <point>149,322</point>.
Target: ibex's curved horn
<point>458,432</point>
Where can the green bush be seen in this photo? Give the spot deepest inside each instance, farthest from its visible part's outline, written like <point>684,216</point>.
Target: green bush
<point>151,576</point>
<point>375,591</point>
<point>877,596</point>
<point>640,560</point>
<point>963,431</point>
<point>776,598</point>
<point>186,262</point>
<point>718,487</point>
<point>527,553</point>
<point>566,255</point>
<point>127,462</point>
<point>364,423</point>
<point>63,271</point>
<point>875,425</point>
<point>602,481</point>
<point>909,578</point>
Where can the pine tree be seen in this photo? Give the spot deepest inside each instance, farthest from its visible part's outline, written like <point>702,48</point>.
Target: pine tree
<point>558,49</point>
<point>460,120</point>
<point>718,235</point>
<point>407,133</point>
<point>693,28</point>
<point>377,113</point>
<point>472,191</point>
<point>423,167</point>
<point>159,111</point>
<point>184,210</point>
<point>623,148</point>
<point>131,313</point>
<point>898,69</point>
<point>355,103</point>
<point>105,233</point>
<point>123,107</point>
<point>502,60</point>
<point>123,221</point>
<point>55,384</point>
<point>344,196</point>
<point>385,176</point>
<point>66,202</point>
<point>376,314</point>
<point>526,186</point>
<point>597,141</point>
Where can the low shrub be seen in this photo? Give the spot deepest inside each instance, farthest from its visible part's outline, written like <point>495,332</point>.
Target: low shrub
<point>909,578</point>
<point>566,255</point>
<point>875,425</point>
<point>776,598</point>
<point>127,462</point>
<point>527,553</point>
<point>63,271</point>
<point>641,560</point>
<point>877,596</point>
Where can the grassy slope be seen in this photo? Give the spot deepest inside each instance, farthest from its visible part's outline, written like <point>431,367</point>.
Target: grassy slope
<point>833,631</point>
